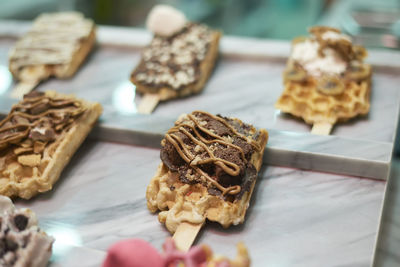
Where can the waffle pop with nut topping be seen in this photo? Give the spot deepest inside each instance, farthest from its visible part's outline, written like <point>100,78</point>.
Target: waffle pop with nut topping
<point>326,79</point>
<point>22,243</point>
<point>38,138</point>
<point>177,62</point>
<point>56,45</point>
<point>208,171</point>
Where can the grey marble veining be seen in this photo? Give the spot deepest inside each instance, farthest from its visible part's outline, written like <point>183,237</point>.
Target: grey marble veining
<point>295,217</point>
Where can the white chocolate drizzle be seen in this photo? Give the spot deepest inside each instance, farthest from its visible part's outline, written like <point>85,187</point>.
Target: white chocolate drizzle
<point>53,39</point>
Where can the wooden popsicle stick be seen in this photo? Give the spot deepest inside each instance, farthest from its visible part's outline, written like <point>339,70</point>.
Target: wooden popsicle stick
<point>321,128</point>
<point>185,235</point>
<point>148,103</point>
<point>22,88</point>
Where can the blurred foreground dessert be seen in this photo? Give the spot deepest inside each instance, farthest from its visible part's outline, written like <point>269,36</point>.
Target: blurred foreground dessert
<point>22,243</point>
<point>326,79</point>
<point>139,253</point>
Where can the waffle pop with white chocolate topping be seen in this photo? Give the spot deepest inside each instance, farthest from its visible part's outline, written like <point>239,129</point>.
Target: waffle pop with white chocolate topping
<point>38,138</point>
<point>208,171</point>
<point>177,62</point>
<point>326,80</point>
<point>56,45</point>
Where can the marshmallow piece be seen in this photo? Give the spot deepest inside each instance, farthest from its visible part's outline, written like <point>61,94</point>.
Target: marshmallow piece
<point>165,20</point>
<point>306,53</point>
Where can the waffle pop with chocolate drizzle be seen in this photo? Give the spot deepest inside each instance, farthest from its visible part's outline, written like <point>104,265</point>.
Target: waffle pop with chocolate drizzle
<point>22,243</point>
<point>177,62</point>
<point>208,171</point>
<point>38,138</point>
<point>56,45</point>
<point>326,80</point>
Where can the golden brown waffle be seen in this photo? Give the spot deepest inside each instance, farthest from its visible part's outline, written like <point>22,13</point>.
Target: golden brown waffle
<point>242,258</point>
<point>56,45</point>
<point>337,90</point>
<point>303,100</point>
<point>165,89</point>
<point>193,201</point>
<point>38,138</point>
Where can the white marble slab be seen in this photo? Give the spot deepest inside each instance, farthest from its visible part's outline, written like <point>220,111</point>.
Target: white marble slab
<point>387,252</point>
<point>296,217</point>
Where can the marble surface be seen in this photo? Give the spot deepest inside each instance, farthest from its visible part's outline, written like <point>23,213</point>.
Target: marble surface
<point>387,252</point>
<point>296,217</point>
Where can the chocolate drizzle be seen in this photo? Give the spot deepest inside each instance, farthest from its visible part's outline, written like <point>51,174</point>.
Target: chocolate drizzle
<point>211,150</point>
<point>36,121</point>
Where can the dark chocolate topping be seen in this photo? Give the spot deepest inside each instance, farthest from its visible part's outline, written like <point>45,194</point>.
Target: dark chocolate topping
<point>7,245</point>
<point>38,118</point>
<point>212,150</point>
<point>174,61</point>
<point>21,221</point>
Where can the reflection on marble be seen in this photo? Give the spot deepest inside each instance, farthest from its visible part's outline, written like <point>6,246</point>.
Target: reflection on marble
<point>5,79</point>
<point>295,217</point>
<point>123,98</point>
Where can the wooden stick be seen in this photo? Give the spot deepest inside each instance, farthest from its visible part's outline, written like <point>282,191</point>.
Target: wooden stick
<point>185,235</point>
<point>22,88</point>
<point>321,128</point>
<point>148,103</point>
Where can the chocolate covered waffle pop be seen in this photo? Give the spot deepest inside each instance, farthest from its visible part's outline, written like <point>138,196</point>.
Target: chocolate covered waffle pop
<point>177,62</point>
<point>326,80</point>
<point>209,169</point>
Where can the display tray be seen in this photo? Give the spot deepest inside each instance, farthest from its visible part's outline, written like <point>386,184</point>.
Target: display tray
<point>245,84</point>
<point>301,217</point>
<point>296,218</point>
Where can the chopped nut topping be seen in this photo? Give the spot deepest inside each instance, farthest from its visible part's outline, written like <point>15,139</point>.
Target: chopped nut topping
<point>20,150</point>
<point>174,61</point>
<point>39,146</point>
<point>32,160</point>
<point>42,134</point>
<point>26,143</point>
